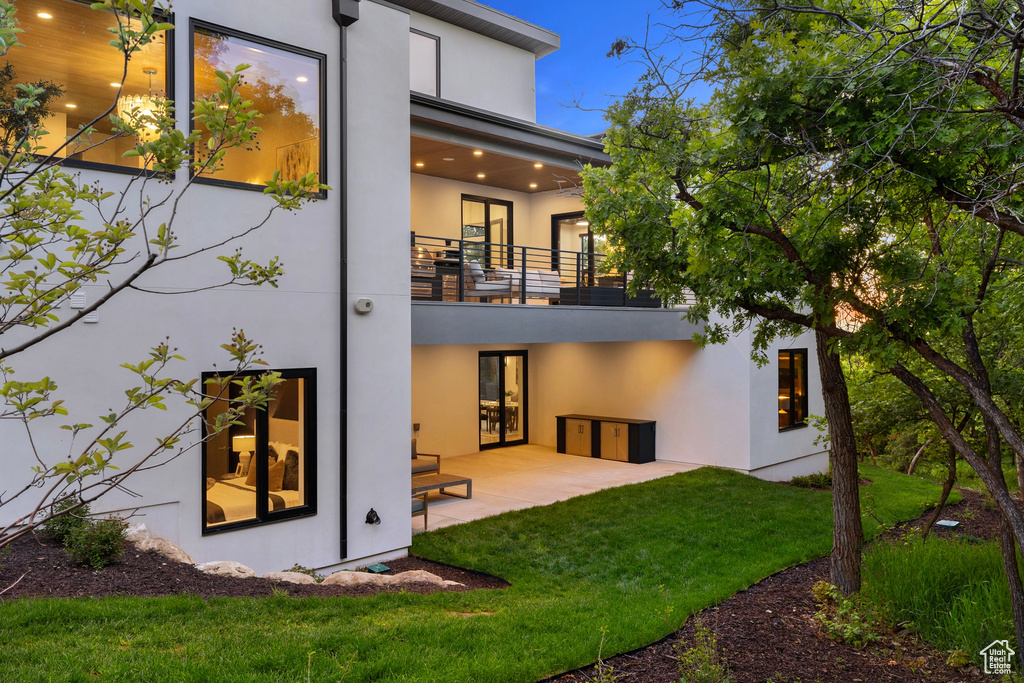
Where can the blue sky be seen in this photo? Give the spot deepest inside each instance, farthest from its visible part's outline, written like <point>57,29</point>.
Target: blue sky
<point>587,28</point>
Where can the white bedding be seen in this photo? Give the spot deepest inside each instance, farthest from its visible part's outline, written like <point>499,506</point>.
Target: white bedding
<point>237,501</point>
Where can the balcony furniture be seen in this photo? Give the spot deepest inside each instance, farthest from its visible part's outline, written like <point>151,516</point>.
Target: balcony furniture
<point>421,463</point>
<point>419,507</point>
<point>440,482</point>
<point>610,438</point>
<point>540,284</point>
<point>480,285</point>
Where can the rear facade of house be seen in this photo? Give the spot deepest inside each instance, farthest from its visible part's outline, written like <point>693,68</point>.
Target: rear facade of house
<point>447,287</point>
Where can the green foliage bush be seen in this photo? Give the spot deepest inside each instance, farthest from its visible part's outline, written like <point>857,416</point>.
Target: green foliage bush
<point>818,480</point>
<point>954,592</point>
<point>65,523</point>
<point>702,662</point>
<point>299,569</point>
<point>96,543</point>
<point>842,618</point>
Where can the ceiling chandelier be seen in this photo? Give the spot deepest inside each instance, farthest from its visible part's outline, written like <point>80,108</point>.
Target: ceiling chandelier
<point>142,111</point>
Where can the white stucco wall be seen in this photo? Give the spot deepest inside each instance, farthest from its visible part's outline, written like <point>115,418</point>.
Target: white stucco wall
<point>482,72</point>
<point>378,206</point>
<point>298,323</point>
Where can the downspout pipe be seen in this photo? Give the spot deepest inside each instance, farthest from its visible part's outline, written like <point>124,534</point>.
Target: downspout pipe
<point>346,12</point>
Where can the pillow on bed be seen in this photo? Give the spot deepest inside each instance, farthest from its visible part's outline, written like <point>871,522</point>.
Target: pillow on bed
<point>272,452</point>
<point>291,472</point>
<point>275,476</point>
<point>250,480</point>
<point>210,481</point>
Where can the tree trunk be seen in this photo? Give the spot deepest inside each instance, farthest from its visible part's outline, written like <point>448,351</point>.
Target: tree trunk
<point>847,532</point>
<point>873,449</point>
<point>1020,476</point>
<point>1013,577</point>
<point>994,481</point>
<point>917,456</point>
<point>947,487</point>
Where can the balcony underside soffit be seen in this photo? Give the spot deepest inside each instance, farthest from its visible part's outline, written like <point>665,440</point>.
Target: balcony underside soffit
<point>483,165</point>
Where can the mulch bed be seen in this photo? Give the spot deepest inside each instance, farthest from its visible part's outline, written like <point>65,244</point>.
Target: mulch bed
<point>46,572</point>
<point>764,632</point>
<point>768,631</point>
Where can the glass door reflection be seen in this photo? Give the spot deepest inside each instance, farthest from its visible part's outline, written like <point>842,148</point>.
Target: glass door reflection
<point>503,399</point>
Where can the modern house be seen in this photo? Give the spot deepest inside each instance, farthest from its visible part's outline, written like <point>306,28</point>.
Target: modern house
<point>448,281</point>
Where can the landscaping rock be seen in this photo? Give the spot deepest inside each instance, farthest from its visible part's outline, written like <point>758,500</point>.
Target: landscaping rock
<point>164,547</point>
<point>289,577</point>
<point>227,568</point>
<point>345,578</point>
<point>136,532</point>
<point>422,576</point>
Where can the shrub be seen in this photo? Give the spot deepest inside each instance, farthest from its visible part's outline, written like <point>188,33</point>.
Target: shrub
<point>299,569</point>
<point>819,480</point>
<point>65,523</point>
<point>97,543</point>
<point>841,618</point>
<point>702,663</point>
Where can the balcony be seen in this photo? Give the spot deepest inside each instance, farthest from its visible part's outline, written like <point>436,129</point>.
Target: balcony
<point>476,292</point>
<point>485,272</point>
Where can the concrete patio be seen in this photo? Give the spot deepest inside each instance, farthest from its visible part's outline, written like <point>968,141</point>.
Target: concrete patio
<point>525,476</point>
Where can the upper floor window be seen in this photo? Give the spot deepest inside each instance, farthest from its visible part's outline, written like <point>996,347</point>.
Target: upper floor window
<point>424,63</point>
<point>285,84</point>
<point>67,52</point>
<point>792,389</point>
<point>264,469</point>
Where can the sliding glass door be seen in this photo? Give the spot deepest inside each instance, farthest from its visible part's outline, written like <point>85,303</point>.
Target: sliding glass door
<point>503,399</point>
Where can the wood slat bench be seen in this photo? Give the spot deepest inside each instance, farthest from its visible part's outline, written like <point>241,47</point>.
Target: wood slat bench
<point>439,482</point>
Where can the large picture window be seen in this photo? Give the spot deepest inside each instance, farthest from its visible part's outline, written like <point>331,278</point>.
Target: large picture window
<point>792,389</point>
<point>285,84</point>
<point>67,44</point>
<point>264,469</point>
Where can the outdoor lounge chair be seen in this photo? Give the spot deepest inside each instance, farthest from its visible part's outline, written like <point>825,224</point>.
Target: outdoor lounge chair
<point>484,286</point>
<point>421,463</point>
<point>419,507</point>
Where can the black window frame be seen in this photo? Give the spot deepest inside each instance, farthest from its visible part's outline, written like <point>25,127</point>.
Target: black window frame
<point>193,24</point>
<point>261,456</point>
<point>437,63</point>
<point>505,247</point>
<point>164,16</point>
<point>795,355</point>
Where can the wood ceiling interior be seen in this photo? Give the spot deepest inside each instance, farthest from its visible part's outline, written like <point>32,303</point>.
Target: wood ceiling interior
<point>499,170</point>
<point>72,49</point>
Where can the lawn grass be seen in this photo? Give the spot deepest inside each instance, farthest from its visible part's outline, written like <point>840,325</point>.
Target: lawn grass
<point>634,560</point>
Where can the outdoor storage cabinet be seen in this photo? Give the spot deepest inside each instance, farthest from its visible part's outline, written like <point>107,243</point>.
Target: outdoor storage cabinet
<point>612,438</point>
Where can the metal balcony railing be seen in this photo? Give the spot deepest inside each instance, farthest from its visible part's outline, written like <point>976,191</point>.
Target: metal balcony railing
<point>446,269</point>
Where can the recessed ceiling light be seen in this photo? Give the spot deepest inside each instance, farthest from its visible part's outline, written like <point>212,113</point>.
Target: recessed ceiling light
<point>71,106</point>
<point>115,85</point>
<point>478,153</point>
<point>448,159</point>
<point>480,175</point>
<point>222,106</point>
<point>538,165</point>
<point>419,164</point>
<point>533,186</point>
<point>302,79</point>
<point>44,15</point>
